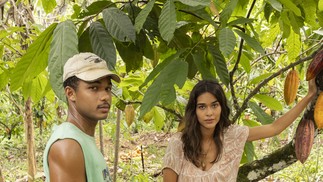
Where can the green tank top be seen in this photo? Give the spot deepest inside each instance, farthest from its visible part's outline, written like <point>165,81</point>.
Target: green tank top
<point>95,165</point>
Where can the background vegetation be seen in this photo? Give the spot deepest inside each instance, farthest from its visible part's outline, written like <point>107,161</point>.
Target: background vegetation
<point>160,48</point>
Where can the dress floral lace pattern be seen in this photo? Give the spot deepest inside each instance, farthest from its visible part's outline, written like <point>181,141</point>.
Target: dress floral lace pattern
<point>226,169</point>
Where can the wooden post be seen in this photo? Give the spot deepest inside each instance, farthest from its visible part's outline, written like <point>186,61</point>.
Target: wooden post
<point>116,147</point>
<point>29,131</point>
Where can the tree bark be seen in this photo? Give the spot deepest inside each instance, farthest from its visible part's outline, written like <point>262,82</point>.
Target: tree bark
<point>281,158</point>
<point>1,175</point>
<point>116,147</point>
<point>29,131</point>
<point>101,137</point>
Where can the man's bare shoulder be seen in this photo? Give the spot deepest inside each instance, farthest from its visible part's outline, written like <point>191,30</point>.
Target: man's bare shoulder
<point>66,158</point>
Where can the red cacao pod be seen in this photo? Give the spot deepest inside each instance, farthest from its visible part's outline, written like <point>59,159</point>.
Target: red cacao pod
<point>315,66</point>
<point>304,139</point>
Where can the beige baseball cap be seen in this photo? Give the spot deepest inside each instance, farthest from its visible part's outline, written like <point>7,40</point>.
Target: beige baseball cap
<point>88,67</point>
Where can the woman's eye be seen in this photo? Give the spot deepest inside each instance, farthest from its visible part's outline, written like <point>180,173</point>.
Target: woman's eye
<point>201,107</point>
<point>108,89</point>
<point>215,105</point>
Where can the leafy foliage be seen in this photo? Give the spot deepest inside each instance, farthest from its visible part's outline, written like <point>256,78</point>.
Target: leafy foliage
<point>161,48</point>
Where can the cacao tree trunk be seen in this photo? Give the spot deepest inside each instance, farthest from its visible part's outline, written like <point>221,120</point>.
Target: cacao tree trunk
<point>281,158</point>
<point>29,131</point>
<point>116,147</point>
<point>101,138</point>
<point>1,175</point>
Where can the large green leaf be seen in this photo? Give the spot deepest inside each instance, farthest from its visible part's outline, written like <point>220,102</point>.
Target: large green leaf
<point>4,78</point>
<point>296,22</point>
<point>276,5</point>
<point>248,153</point>
<point>270,102</point>
<point>192,69</point>
<point>119,25</point>
<point>219,62</point>
<point>34,61</point>
<point>84,44</point>
<point>245,63</point>
<point>240,21</point>
<point>36,88</point>
<point>252,42</point>
<point>161,66</point>
<point>290,5</point>
<point>95,8</point>
<point>64,45</point>
<point>131,55</point>
<point>167,21</point>
<point>310,11</point>
<point>159,117</point>
<point>261,115</point>
<point>195,2</point>
<point>201,64</point>
<point>48,5</point>
<point>260,78</point>
<point>293,46</point>
<point>142,16</point>
<point>227,12</point>
<point>227,41</point>
<point>173,73</point>
<point>102,44</point>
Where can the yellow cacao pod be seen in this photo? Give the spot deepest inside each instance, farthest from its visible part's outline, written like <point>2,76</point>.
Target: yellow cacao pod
<point>291,86</point>
<point>304,139</point>
<point>318,111</point>
<point>148,116</point>
<point>130,114</point>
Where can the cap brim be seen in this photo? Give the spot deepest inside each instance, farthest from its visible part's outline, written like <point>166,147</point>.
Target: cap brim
<point>93,75</point>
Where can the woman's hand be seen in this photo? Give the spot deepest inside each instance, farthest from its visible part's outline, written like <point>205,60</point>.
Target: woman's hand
<point>312,88</point>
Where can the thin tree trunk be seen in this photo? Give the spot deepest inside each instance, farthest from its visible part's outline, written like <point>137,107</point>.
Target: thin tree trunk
<point>1,175</point>
<point>101,137</point>
<point>116,147</point>
<point>29,130</point>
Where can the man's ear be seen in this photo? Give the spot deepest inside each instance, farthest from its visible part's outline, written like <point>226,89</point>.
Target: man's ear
<point>70,93</point>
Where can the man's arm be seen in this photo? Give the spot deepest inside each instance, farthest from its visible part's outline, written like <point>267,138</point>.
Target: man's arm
<point>66,161</point>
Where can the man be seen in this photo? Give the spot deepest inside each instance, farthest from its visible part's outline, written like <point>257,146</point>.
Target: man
<point>71,153</point>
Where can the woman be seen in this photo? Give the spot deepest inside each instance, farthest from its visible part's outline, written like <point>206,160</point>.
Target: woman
<point>210,146</point>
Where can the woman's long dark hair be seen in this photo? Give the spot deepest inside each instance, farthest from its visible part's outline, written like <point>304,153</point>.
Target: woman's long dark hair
<point>192,136</point>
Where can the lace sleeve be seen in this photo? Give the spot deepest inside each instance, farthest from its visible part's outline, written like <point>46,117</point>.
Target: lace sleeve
<point>174,155</point>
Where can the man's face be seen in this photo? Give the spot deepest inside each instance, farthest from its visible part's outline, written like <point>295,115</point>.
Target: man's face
<point>93,99</point>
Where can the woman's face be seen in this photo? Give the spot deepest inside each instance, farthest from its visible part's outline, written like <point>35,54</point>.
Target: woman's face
<point>208,111</point>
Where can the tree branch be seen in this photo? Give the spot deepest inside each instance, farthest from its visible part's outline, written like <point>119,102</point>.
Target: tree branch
<point>234,98</point>
<point>279,159</point>
<point>265,81</point>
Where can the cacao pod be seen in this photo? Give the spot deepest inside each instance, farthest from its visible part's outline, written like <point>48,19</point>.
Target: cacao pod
<point>148,116</point>
<point>304,139</point>
<point>130,114</point>
<point>315,66</point>
<point>291,86</point>
<point>318,111</point>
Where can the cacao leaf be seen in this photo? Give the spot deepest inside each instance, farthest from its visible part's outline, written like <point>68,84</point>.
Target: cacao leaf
<point>102,44</point>
<point>63,46</point>
<point>142,16</point>
<point>119,25</point>
<point>167,21</point>
<point>34,61</point>
<point>227,41</point>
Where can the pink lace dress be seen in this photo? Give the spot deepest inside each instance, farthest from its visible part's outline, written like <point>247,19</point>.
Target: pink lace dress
<point>226,169</point>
